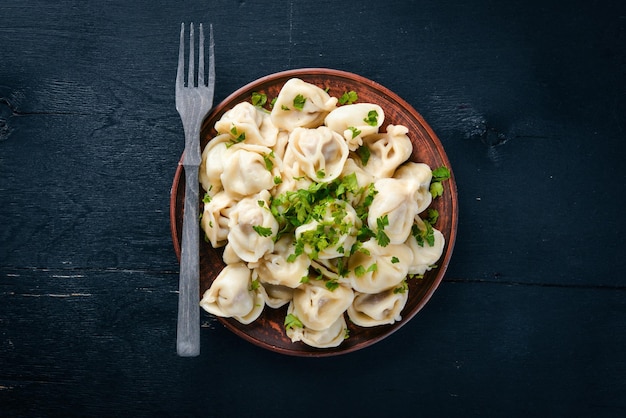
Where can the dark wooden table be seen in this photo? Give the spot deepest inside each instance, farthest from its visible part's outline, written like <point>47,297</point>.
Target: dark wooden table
<point>529,101</point>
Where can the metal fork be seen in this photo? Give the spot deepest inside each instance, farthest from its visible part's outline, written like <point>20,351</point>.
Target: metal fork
<point>193,102</point>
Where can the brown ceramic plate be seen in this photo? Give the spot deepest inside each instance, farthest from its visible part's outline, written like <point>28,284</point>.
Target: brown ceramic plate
<point>268,331</point>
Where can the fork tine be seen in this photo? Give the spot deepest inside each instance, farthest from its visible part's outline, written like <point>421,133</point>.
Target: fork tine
<point>201,58</point>
<point>191,74</point>
<point>181,59</point>
<point>211,81</point>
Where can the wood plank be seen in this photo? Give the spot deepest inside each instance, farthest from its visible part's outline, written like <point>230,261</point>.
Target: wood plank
<point>70,342</point>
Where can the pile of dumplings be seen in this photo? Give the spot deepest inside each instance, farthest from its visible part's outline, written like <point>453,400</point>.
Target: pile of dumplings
<point>259,155</point>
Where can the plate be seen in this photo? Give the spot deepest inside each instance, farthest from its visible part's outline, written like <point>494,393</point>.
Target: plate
<point>268,331</point>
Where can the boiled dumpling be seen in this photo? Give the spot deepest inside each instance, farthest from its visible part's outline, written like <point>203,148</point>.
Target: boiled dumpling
<point>419,175</point>
<point>319,153</point>
<point>276,295</point>
<point>395,201</point>
<point>215,218</point>
<point>212,164</point>
<point>246,122</point>
<point>318,307</point>
<point>231,295</point>
<point>355,121</point>
<point>326,338</point>
<point>374,269</point>
<point>387,151</point>
<point>273,268</point>
<point>369,310</point>
<point>301,104</point>
<point>424,255</point>
<point>252,227</point>
<point>246,170</point>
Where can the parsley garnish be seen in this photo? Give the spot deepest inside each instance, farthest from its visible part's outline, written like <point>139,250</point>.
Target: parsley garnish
<point>292,321</point>
<point>238,137</point>
<point>372,118</point>
<point>439,174</point>
<point>298,101</point>
<point>404,286</point>
<point>348,97</point>
<point>364,154</point>
<point>254,285</point>
<point>262,231</point>
<point>258,99</point>
<point>395,260</point>
<point>206,198</point>
<point>331,285</point>
<point>382,238</point>
<point>355,132</point>
<point>269,164</point>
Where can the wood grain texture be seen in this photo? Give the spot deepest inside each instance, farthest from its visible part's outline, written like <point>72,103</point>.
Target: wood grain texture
<point>528,100</point>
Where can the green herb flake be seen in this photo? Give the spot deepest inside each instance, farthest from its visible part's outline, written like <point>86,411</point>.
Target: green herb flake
<point>254,285</point>
<point>258,99</point>
<point>269,164</point>
<point>372,118</point>
<point>382,238</point>
<point>395,260</point>
<point>348,97</point>
<point>364,154</point>
<point>206,198</point>
<point>299,101</point>
<point>292,321</point>
<point>355,131</point>
<point>331,285</point>
<point>262,231</point>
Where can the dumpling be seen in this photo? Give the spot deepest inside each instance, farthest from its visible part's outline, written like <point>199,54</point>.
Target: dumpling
<point>333,234</point>
<point>252,227</point>
<point>394,201</point>
<point>232,295</point>
<point>276,295</point>
<point>301,104</point>
<point>419,175</point>
<point>369,310</point>
<point>215,218</point>
<point>425,255</point>
<point>319,153</point>
<point>273,268</point>
<point>212,164</point>
<point>374,269</point>
<point>329,337</point>
<point>248,169</point>
<point>355,121</point>
<point>246,122</point>
<point>317,307</point>
<point>387,151</point>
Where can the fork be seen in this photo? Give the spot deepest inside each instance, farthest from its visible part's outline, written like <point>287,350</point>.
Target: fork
<point>193,102</point>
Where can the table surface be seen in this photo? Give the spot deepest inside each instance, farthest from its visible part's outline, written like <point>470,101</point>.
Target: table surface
<point>529,101</point>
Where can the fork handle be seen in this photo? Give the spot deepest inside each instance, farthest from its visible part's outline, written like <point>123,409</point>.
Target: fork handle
<point>188,328</point>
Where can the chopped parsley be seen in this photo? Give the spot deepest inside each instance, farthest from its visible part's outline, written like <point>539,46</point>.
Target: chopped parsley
<point>258,99</point>
<point>372,118</point>
<point>238,137</point>
<point>292,321</point>
<point>364,154</point>
<point>381,238</point>
<point>439,174</point>
<point>206,198</point>
<point>262,231</point>
<point>299,101</point>
<point>348,97</point>
<point>355,131</point>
